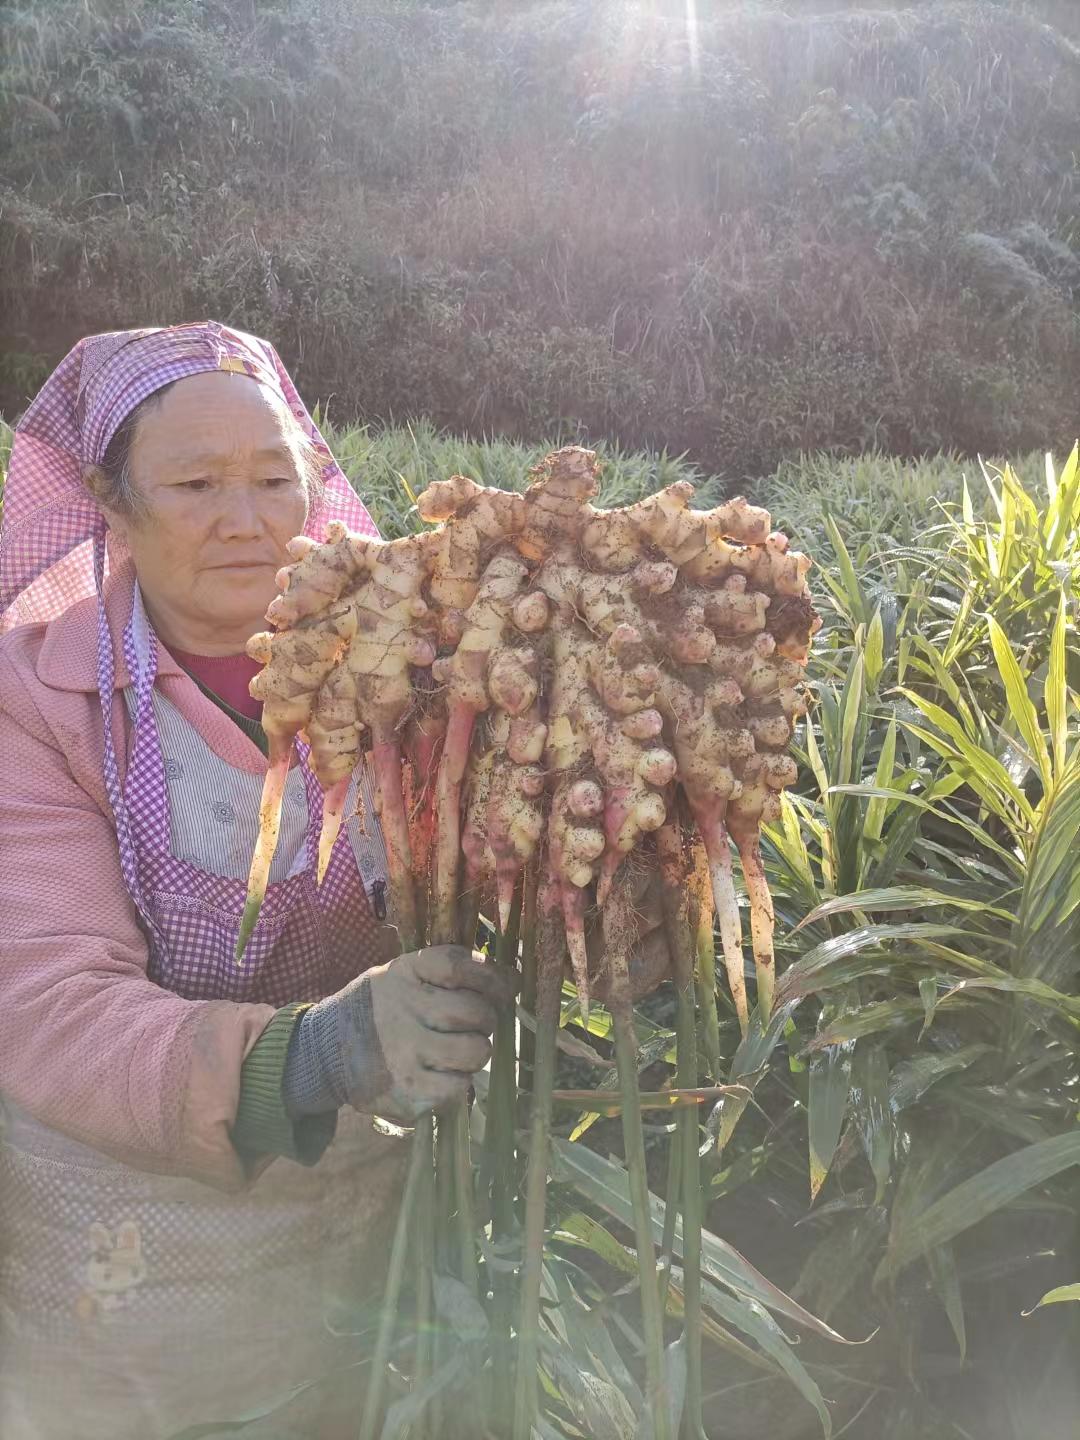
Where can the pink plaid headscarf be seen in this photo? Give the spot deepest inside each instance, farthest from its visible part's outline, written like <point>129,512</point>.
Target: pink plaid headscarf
<point>51,524</point>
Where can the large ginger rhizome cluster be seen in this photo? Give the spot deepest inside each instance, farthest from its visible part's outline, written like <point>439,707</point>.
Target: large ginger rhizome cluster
<point>550,675</point>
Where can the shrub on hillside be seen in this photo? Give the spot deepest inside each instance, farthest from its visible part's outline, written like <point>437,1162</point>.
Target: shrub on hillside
<point>781,233</point>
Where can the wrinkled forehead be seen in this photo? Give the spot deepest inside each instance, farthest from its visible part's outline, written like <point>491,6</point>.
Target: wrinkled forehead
<point>211,422</point>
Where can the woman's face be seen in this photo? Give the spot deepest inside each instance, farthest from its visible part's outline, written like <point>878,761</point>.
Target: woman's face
<point>216,465</point>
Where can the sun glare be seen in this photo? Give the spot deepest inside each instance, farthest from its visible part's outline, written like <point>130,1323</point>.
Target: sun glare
<point>692,34</point>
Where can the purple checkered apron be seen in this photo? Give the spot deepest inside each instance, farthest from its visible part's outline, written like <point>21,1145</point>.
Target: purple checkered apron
<point>309,940</point>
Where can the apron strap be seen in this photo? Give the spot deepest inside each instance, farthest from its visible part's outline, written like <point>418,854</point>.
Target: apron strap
<point>314,792</point>
<point>145,788</point>
<point>106,683</point>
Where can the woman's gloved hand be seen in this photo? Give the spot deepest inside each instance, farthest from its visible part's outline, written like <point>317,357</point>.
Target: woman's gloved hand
<point>400,1039</point>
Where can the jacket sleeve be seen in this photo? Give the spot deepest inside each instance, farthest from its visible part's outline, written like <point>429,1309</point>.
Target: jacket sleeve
<point>89,1045</point>
<point>263,1124</point>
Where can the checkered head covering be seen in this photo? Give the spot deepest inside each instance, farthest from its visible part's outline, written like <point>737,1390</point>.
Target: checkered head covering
<point>51,523</point>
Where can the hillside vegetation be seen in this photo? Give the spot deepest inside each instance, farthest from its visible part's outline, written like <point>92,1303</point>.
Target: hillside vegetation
<point>771,234</point>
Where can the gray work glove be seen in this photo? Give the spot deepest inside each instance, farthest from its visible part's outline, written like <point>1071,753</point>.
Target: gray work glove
<point>400,1039</point>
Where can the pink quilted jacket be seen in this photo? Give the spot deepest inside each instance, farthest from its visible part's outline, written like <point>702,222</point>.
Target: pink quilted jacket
<point>88,1044</point>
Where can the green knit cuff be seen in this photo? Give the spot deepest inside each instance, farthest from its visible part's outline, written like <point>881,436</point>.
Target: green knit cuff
<point>263,1126</point>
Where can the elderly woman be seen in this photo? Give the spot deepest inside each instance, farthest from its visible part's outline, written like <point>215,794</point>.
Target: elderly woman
<point>157,1271</point>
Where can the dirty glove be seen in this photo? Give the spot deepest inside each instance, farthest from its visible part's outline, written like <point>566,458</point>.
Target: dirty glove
<point>400,1039</point>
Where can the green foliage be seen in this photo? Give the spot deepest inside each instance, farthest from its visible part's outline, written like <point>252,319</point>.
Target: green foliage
<point>780,233</point>
<point>927,877</point>
<point>879,502</point>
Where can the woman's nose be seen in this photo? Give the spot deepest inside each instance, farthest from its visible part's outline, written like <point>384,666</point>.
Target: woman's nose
<point>240,517</point>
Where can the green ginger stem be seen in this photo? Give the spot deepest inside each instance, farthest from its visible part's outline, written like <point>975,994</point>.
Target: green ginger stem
<point>419,1159</point>
<point>549,973</point>
<point>686,1138</point>
<point>502,1167</point>
<point>530,929</point>
<point>620,928</point>
<point>672,1194</point>
<point>424,1240</point>
<point>680,898</point>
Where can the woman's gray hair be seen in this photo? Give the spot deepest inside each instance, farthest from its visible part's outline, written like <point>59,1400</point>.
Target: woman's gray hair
<point>115,487</point>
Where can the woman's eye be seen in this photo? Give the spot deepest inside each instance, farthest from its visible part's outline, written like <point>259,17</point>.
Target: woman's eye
<point>275,482</point>
<point>194,485</point>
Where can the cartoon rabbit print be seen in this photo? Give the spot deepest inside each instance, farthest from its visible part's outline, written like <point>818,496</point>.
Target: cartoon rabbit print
<point>115,1269</point>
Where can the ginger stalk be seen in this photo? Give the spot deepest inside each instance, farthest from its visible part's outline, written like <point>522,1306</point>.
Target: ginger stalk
<point>515,808</point>
<point>575,843</point>
<point>515,825</point>
<point>479,859</point>
<point>709,752</point>
<point>389,638</point>
<point>676,871</point>
<point>630,756</point>
<point>295,663</point>
<point>481,669</point>
<point>702,913</point>
<point>601,674</point>
<point>480,518</point>
<point>423,740</point>
<point>759,803</point>
<point>620,933</point>
<point>727,913</point>
<point>548,986</point>
<point>269,824</point>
